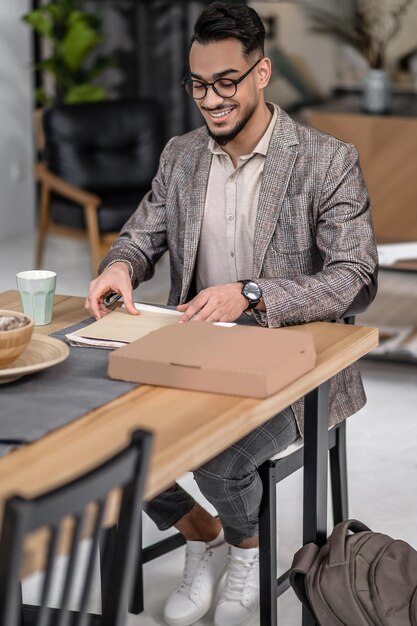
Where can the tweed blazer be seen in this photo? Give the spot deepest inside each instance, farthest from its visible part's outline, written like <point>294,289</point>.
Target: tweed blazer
<point>314,249</point>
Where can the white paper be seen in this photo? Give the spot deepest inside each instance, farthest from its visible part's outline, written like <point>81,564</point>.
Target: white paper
<point>152,308</point>
<point>85,342</point>
<point>390,253</point>
<point>77,339</point>
<point>158,309</point>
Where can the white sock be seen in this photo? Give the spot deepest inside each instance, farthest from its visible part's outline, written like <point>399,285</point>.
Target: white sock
<point>217,540</point>
<point>244,553</point>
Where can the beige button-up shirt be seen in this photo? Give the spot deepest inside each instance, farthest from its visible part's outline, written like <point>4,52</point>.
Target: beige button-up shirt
<point>225,252</point>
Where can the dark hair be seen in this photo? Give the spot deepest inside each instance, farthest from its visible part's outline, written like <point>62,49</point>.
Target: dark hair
<point>219,21</point>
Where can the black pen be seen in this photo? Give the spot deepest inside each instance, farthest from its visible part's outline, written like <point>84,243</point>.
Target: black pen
<point>111,298</point>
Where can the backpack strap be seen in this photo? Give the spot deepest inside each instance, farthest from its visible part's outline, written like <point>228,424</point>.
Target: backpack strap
<point>337,552</point>
<point>302,561</point>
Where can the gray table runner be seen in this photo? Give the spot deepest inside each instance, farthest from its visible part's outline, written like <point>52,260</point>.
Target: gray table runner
<point>41,402</point>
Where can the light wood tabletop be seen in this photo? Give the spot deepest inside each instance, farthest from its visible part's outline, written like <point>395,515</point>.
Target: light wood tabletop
<point>189,427</point>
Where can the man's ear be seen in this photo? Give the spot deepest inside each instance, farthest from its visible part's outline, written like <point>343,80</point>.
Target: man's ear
<point>264,72</point>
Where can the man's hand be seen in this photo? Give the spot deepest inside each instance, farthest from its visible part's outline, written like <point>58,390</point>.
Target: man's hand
<point>222,303</point>
<point>114,278</point>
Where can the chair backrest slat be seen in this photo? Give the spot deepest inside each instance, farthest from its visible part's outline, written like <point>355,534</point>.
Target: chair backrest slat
<point>91,564</point>
<point>70,571</point>
<point>42,618</point>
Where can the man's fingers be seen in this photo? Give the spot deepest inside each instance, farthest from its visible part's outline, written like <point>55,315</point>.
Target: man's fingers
<point>217,316</point>
<point>199,314</point>
<point>130,307</point>
<point>92,306</point>
<point>214,304</point>
<point>187,316</point>
<point>193,308</point>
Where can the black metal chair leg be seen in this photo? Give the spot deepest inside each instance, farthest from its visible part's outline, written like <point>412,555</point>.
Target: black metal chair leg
<point>268,546</point>
<point>315,466</point>
<point>22,616</point>
<point>107,546</point>
<point>315,471</point>
<point>338,475</point>
<point>136,603</point>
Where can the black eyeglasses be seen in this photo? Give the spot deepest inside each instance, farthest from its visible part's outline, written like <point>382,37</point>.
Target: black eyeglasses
<point>223,87</point>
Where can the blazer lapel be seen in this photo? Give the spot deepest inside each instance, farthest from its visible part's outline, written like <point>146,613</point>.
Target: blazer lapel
<point>279,163</point>
<point>199,174</point>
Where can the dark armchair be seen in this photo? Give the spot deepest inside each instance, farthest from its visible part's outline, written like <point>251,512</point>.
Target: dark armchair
<point>99,160</point>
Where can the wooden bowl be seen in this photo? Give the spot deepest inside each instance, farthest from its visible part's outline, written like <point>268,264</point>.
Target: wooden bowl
<point>13,342</point>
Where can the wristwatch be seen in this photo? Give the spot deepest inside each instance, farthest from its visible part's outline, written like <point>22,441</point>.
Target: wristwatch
<point>252,292</point>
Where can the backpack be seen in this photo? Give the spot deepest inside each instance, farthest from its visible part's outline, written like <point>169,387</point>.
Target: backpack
<point>360,579</point>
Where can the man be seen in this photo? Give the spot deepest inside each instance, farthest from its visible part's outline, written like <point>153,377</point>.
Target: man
<point>260,215</point>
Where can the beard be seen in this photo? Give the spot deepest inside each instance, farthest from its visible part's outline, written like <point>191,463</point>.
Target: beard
<point>224,138</point>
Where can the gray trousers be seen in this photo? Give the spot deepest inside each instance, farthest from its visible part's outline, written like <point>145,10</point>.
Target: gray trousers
<point>230,481</point>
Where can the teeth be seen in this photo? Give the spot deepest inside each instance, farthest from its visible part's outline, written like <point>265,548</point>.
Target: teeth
<point>221,113</point>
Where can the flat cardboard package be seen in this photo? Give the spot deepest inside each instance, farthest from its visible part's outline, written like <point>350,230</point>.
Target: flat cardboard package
<point>239,360</point>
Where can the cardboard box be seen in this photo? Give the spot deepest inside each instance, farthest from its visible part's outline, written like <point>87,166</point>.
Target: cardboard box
<point>241,360</point>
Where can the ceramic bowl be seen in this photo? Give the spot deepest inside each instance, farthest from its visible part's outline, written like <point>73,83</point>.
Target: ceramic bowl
<point>15,340</point>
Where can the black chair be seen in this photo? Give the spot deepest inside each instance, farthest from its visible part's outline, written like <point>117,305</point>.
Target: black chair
<point>271,472</point>
<point>83,500</point>
<point>98,162</point>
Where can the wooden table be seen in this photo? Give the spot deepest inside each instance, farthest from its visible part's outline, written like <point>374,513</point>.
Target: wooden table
<point>189,427</point>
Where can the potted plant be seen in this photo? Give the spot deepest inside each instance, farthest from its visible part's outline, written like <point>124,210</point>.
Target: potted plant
<point>369,26</point>
<point>72,36</point>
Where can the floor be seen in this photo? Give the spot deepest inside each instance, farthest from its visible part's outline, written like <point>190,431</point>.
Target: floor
<point>381,437</point>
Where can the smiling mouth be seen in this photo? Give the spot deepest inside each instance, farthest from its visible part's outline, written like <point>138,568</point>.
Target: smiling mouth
<point>220,115</point>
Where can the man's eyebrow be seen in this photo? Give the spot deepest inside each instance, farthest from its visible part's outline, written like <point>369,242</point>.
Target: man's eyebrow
<point>217,74</point>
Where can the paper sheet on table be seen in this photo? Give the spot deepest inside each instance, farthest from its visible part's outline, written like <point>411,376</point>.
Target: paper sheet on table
<point>390,253</point>
<point>119,327</point>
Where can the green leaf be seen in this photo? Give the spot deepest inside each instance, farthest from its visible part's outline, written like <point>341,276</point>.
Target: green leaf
<point>77,16</point>
<point>85,93</point>
<point>79,41</point>
<point>40,22</point>
<point>56,10</point>
<point>54,66</point>
<point>49,65</point>
<point>40,97</point>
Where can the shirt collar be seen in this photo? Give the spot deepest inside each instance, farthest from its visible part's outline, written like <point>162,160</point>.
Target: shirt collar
<point>262,145</point>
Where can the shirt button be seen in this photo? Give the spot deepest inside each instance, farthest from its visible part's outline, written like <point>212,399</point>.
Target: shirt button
<point>230,179</point>
<point>231,254</point>
<point>231,217</point>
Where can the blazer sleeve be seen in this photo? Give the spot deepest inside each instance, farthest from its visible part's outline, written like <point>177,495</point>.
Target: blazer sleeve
<point>344,239</point>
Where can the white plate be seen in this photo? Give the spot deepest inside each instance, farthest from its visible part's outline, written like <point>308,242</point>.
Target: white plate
<point>42,352</point>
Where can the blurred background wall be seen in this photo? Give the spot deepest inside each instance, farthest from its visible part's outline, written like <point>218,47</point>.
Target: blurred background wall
<point>150,39</point>
<point>16,110</point>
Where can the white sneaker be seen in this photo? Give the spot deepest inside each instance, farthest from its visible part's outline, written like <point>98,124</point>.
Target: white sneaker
<point>239,603</point>
<point>204,566</point>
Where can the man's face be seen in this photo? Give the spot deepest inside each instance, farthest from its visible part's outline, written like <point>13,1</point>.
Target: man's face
<point>225,117</point>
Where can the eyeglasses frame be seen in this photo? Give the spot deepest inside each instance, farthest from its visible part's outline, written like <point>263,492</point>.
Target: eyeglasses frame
<point>236,81</point>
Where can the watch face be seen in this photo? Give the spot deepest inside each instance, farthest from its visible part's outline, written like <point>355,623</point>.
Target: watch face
<point>252,291</point>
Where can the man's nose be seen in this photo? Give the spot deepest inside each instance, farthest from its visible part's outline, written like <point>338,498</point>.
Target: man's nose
<point>212,99</point>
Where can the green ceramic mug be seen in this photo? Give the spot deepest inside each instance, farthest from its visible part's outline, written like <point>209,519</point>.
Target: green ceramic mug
<point>37,289</point>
